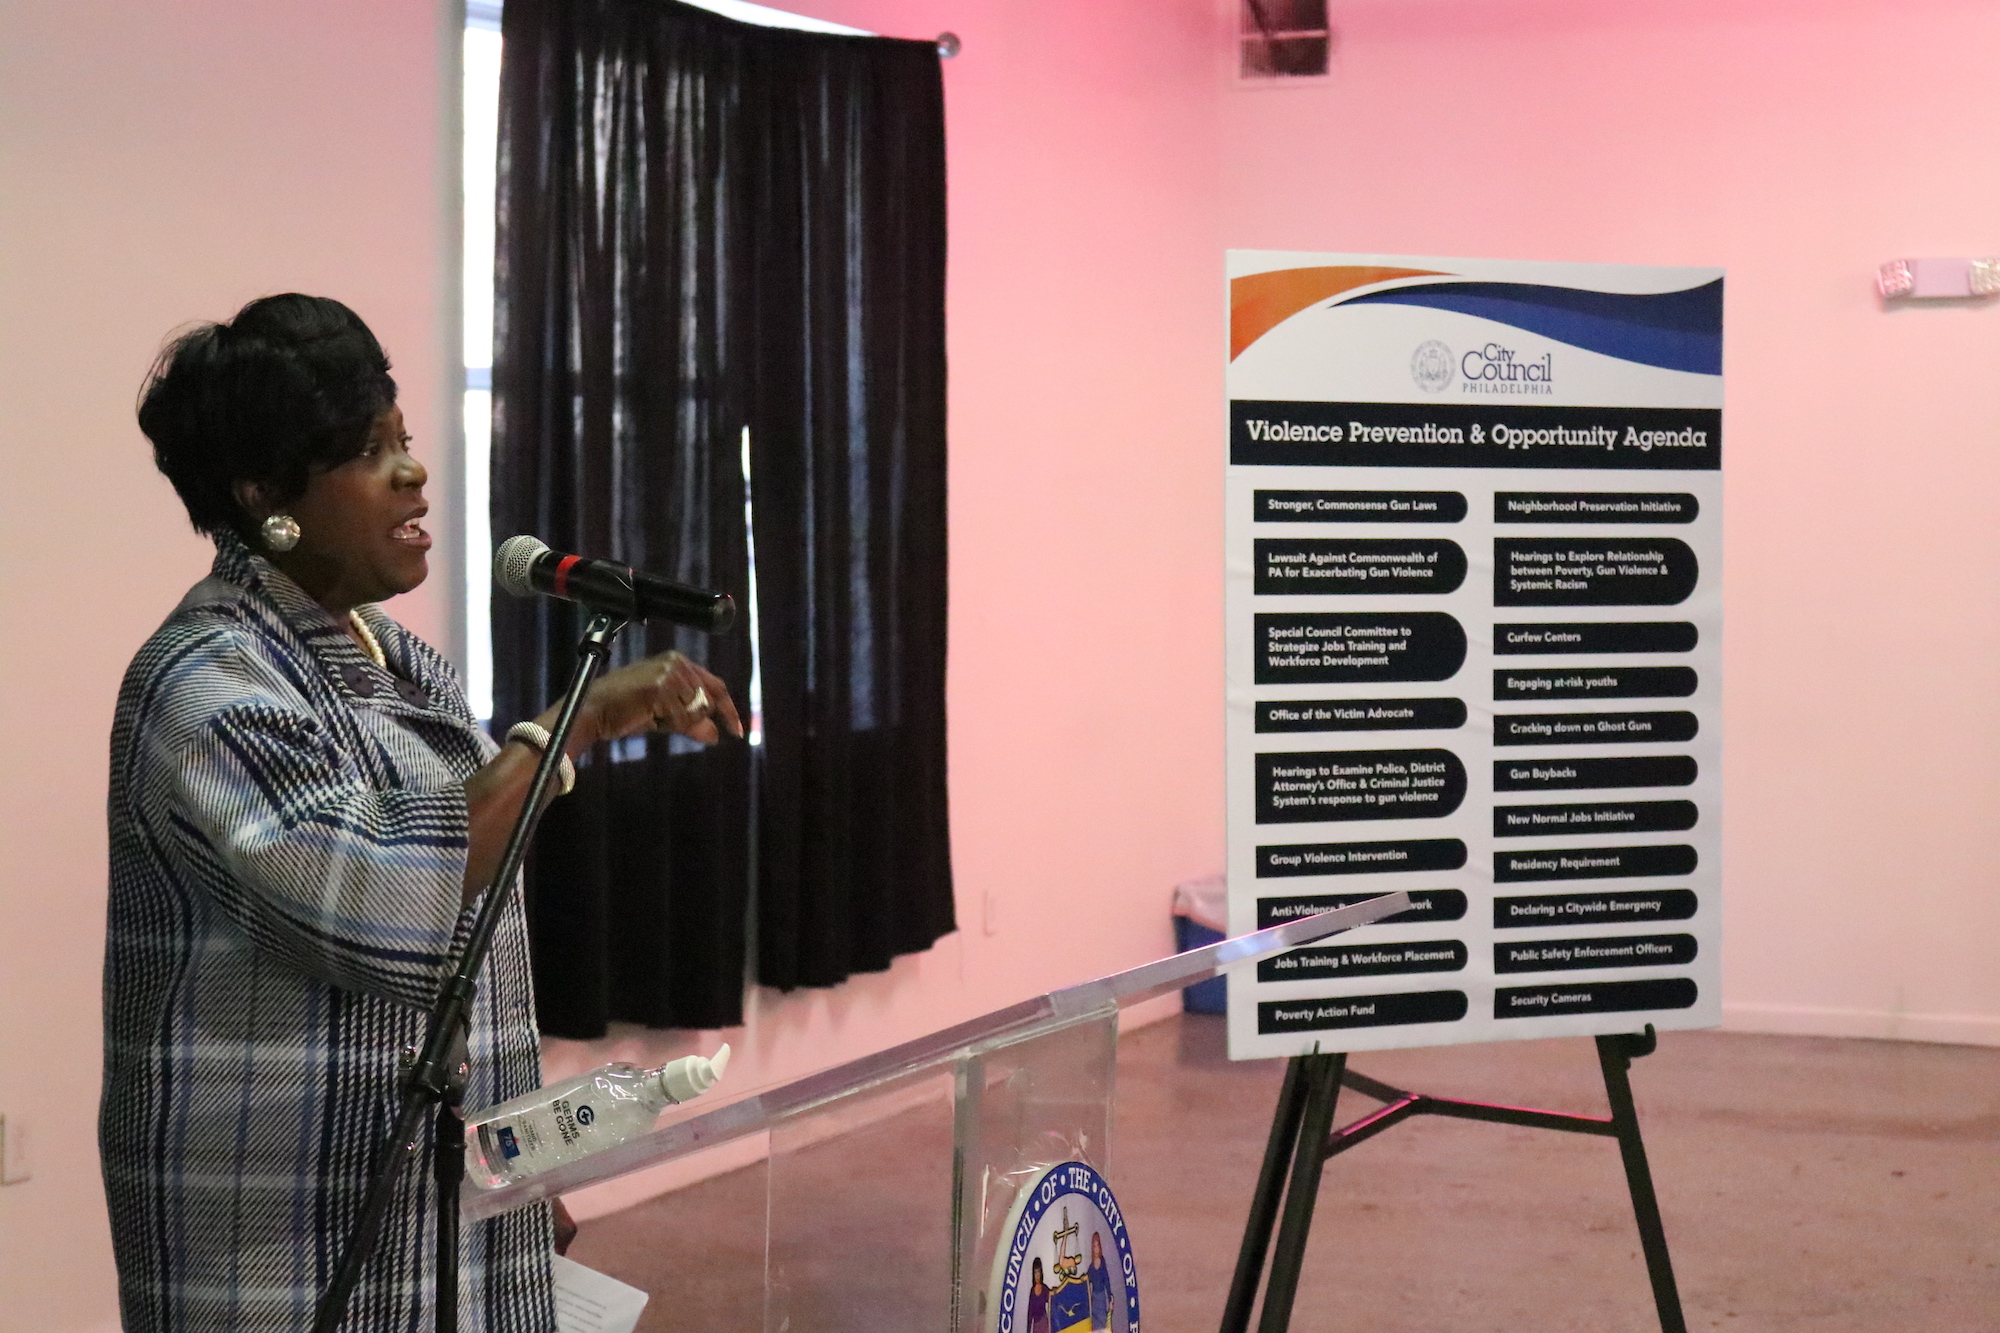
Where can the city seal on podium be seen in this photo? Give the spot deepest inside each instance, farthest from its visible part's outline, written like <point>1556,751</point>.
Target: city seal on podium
<point>1065,1261</point>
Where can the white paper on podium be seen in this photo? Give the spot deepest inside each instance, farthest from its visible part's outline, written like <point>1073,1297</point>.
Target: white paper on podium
<point>587,1301</point>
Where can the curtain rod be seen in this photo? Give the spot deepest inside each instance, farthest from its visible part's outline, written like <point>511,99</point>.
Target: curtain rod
<point>486,14</point>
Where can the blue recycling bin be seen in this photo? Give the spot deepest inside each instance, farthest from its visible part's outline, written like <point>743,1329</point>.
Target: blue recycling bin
<point>1204,997</point>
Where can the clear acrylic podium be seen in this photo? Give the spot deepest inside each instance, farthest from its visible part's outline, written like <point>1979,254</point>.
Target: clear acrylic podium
<point>980,1109</point>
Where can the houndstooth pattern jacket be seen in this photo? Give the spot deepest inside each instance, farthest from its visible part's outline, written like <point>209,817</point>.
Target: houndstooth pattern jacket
<point>288,839</point>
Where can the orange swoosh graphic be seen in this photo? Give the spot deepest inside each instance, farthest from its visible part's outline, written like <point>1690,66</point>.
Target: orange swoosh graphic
<point>1262,301</point>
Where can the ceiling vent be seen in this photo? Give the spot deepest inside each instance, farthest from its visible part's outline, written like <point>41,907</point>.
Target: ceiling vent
<point>1284,39</point>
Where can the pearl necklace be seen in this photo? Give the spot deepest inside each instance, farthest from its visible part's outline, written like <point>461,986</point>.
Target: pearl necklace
<point>369,643</point>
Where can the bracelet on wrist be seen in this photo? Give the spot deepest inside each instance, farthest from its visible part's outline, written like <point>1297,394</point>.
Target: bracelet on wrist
<point>536,737</point>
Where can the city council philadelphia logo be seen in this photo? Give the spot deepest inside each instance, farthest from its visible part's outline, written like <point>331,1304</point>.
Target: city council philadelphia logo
<point>1432,366</point>
<point>1064,1264</point>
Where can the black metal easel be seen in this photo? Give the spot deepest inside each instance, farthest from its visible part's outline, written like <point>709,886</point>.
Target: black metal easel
<point>1303,1137</point>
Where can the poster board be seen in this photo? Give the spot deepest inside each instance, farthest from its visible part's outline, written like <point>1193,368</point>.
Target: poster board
<point>1474,627</point>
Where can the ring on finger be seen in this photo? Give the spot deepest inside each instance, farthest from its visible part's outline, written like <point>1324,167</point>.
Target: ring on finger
<point>697,703</point>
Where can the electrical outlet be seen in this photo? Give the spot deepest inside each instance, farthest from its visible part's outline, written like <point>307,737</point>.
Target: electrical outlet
<point>13,1150</point>
<point>990,912</point>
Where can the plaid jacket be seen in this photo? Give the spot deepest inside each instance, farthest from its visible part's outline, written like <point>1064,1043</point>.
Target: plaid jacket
<point>288,839</point>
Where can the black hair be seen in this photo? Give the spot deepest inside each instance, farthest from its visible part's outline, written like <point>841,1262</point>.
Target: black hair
<point>288,387</point>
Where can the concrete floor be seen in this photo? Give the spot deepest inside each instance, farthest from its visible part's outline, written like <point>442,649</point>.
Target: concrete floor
<point>1811,1184</point>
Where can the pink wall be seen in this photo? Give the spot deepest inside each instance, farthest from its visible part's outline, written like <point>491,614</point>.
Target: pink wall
<point>161,163</point>
<point>1800,143</point>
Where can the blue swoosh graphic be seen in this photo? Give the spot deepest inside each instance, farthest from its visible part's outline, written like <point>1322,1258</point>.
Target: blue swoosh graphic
<point>1672,330</point>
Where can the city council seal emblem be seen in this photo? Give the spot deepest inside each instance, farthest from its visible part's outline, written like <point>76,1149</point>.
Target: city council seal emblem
<point>1064,1264</point>
<point>1431,366</point>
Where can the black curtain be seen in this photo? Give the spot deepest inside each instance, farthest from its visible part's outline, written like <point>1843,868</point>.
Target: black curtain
<point>707,226</point>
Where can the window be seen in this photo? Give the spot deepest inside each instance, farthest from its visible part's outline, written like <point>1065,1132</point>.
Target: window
<point>482,144</point>
<point>481,118</point>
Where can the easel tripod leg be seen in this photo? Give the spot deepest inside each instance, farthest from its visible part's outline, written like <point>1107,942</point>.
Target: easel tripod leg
<point>1321,1075</point>
<point>1615,1055</point>
<point>1264,1203</point>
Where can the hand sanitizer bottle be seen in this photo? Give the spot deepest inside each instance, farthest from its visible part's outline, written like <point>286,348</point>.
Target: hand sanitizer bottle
<point>580,1116</point>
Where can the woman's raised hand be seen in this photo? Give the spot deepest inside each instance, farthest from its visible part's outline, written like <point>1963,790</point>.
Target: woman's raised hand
<point>664,693</point>
<point>670,692</point>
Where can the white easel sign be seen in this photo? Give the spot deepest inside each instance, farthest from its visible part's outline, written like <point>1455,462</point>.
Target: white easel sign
<point>1474,621</point>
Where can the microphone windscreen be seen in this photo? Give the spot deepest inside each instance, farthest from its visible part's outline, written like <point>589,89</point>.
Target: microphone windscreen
<point>511,563</point>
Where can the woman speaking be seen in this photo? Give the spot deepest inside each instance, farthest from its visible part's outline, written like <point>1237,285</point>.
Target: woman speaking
<point>302,814</point>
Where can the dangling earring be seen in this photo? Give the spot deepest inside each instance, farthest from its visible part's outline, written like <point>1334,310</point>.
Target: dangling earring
<point>280,532</point>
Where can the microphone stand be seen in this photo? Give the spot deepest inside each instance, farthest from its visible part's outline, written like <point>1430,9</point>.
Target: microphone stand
<point>435,1078</point>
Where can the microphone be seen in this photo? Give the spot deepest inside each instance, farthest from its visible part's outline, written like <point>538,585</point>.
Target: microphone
<point>525,566</point>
